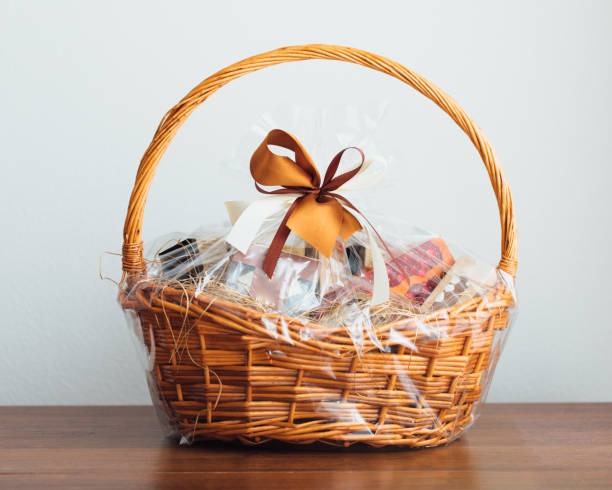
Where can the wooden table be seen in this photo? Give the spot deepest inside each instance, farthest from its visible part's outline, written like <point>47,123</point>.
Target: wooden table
<point>511,446</point>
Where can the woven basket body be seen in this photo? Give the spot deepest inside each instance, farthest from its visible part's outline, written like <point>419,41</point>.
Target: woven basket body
<point>223,371</point>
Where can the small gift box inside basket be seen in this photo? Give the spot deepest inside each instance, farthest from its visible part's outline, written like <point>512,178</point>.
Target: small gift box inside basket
<point>303,321</point>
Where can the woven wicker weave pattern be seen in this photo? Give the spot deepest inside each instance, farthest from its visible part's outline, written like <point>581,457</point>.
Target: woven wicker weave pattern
<point>223,371</point>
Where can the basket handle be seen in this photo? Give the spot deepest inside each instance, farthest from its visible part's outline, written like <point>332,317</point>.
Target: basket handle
<point>133,262</point>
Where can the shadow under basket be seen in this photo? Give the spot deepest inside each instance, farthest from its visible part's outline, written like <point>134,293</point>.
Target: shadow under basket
<point>224,371</point>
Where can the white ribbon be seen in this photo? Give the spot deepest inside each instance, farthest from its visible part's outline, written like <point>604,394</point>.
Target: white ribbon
<point>247,218</point>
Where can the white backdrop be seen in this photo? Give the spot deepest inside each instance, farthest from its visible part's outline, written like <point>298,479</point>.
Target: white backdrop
<point>84,84</point>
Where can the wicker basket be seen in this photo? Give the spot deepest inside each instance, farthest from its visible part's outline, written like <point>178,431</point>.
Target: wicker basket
<point>234,386</point>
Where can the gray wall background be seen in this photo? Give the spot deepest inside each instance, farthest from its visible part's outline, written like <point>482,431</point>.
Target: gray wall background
<point>84,84</point>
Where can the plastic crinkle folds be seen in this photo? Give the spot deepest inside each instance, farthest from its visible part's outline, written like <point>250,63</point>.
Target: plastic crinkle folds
<point>304,320</point>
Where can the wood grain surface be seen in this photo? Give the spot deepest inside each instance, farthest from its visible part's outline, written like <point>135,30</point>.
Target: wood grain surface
<point>518,446</point>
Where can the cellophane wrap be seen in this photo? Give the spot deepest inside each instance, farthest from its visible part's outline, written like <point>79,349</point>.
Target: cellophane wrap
<point>305,356</point>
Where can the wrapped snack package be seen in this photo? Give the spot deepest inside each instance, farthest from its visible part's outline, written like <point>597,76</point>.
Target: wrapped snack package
<point>294,290</point>
<point>416,272</point>
<point>303,320</point>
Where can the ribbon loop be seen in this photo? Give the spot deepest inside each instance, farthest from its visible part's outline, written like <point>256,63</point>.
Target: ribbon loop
<point>268,168</point>
<point>330,182</point>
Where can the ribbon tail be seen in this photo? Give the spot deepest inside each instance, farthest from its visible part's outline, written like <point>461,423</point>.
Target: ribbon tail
<point>248,221</point>
<point>380,291</point>
<point>278,242</point>
<point>235,209</point>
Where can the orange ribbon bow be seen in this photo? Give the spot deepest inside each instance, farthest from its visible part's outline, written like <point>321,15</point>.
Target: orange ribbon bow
<point>318,216</point>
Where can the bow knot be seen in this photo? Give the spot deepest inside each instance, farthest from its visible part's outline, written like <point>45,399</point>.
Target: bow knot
<point>317,216</point>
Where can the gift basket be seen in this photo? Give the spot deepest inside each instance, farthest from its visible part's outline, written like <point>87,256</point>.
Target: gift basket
<point>304,321</point>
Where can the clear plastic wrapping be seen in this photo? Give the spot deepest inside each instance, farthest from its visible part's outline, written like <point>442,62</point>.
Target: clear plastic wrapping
<point>306,356</point>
